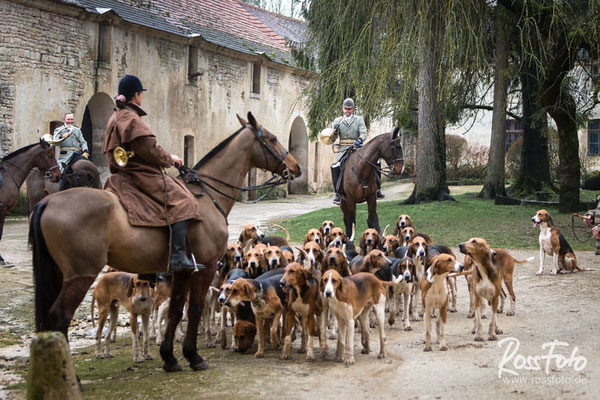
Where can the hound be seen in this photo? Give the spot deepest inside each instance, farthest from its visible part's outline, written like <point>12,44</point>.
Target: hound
<point>135,295</point>
<point>274,258</point>
<point>487,284</point>
<point>434,295</point>
<point>375,260</point>
<point>402,222</point>
<point>336,259</point>
<point>265,297</point>
<point>311,255</point>
<point>303,300</point>
<point>403,275</point>
<point>315,235</point>
<point>326,228</point>
<point>553,243</point>
<point>254,261</point>
<point>352,298</point>
<point>389,244</point>
<point>506,262</point>
<point>369,240</point>
<point>232,259</point>
<point>288,254</point>
<point>224,290</point>
<point>252,234</point>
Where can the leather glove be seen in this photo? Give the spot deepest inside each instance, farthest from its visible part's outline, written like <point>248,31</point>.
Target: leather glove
<point>86,154</point>
<point>357,143</point>
<point>336,125</point>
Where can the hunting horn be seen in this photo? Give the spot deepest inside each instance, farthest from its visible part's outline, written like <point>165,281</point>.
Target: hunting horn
<point>122,156</point>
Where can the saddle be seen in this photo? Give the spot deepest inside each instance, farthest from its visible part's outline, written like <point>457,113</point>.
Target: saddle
<point>340,183</point>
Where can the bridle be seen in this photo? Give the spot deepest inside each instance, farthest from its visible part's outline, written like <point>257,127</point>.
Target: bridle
<point>395,148</point>
<point>191,176</point>
<point>47,167</point>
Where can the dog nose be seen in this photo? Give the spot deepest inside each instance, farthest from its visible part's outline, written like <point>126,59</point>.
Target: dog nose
<point>385,248</point>
<point>407,276</point>
<point>328,293</point>
<point>461,247</point>
<point>221,299</point>
<point>406,237</point>
<point>369,241</point>
<point>142,298</point>
<point>237,257</point>
<point>331,259</point>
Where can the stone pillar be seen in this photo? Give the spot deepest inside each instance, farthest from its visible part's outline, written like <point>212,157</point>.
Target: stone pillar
<point>51,374</point>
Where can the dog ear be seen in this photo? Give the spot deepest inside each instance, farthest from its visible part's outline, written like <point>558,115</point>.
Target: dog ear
<point>130,287</point>
<point>345,267</point>
<point>339,290</point>
<point>362,245</point>
<point>307,273</point>
<point>367,264</point>
<point>306,238</point>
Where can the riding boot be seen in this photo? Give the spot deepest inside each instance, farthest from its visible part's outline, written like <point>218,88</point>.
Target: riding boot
<point>379,194</point>
<point>335,176</point>
<point>179,260</point>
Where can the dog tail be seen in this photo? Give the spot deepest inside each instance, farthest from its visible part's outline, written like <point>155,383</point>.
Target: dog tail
<point>287,234</point>
<point>523,261</point>
<point>92,310</point>
<point>46,275</point>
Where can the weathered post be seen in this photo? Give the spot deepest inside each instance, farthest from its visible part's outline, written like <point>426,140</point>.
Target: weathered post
<point>51,374</point>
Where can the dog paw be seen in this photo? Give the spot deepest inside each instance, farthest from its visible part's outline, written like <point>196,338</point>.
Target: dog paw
<point>421,314</point>
<point>498,331</point>
<point>470,315</point>
<point>99,356</point>
<point>332,336</point>
<point>285,356</point>
<point>499,311</point>
<point>259,354</point>
<point>478,339</point>
<point>108,355</point>
<point>414,318</point>
<point>349,361</point>
<point>492,338</point>
<point>483,316</point>
<point>391,321</point>
<point>452,310</point>
<point>443,348</point>
<point>310,357</point>
<point>138,360</point>
<point>473,331</point>
<point>211,345</point>
<point>510,313</point>
<point>427,348</point>
<point>365,350</point>
<point>539,273</point>
<point>408,328</point>
<point>381,355</point>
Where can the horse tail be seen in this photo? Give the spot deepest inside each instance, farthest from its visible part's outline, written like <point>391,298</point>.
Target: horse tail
<point>46,275</point>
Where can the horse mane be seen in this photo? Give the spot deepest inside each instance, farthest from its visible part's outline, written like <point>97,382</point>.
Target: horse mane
<point>217,149</point>
<point>18,151</point>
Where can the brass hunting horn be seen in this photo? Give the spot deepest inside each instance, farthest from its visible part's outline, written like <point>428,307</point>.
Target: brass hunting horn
<point>122,156</point>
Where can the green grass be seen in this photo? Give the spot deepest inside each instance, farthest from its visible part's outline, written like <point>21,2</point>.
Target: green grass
<point>451,223</point>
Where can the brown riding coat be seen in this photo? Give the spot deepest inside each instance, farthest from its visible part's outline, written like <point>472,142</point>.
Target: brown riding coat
<point>140,185</point>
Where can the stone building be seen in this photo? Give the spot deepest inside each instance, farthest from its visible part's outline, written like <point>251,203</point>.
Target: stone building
<point>202,61</point>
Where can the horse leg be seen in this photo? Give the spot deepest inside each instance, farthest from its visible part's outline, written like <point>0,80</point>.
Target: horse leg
<point>373,218</point>
<point>3,211</point>
<point>70,297</point>
<point>200,282</point>
<point>179,289</point>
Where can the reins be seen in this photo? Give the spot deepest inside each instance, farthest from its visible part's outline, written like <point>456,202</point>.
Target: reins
<point>574,234</point>
<point>191,176</point>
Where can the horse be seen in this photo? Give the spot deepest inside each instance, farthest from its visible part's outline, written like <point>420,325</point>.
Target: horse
<point>360,180</point>
<point>71,244</point>
<point>83,173</point>
<point>15,167</point>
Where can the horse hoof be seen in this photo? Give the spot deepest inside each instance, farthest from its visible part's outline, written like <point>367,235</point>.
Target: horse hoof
<point>172,367</point>
<point>201,366</point>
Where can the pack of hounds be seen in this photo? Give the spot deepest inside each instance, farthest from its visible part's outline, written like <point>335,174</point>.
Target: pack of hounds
<point>320,290</point>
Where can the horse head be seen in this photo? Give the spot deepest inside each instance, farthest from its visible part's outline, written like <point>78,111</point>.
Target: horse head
<point>394,156</point>
<point>268,153</point>
<point>45,161</point>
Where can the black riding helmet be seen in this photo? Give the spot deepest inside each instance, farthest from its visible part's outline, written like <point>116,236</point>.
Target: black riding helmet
<point>129,85</point>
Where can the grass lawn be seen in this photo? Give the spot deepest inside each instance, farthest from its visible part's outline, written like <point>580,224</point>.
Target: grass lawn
<point>451,223</point>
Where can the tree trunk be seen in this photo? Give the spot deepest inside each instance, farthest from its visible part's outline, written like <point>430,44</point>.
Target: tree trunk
<point>535,166</point>
<point>558,101</point>
<point>431,145</point>
<point>494,180</point>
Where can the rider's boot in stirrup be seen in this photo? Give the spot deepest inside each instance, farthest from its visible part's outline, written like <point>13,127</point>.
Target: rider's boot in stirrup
<point>179,260</point>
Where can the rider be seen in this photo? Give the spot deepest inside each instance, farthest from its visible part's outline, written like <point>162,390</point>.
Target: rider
<point>352,132</point>
<point>151,197</point>
<point>71,143</point>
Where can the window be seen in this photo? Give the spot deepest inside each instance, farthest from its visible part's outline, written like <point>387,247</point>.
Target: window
<point>514,131</point>
<point>104,43</point>
<point>256,78</point>
<point>193,72</point>
<point>188,151</point>
<point>594,137</point>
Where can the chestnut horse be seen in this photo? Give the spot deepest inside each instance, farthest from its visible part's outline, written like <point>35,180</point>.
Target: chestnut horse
<point>360,180</point>
<point>76,232</point>
<point>15,167</point>
<point>83,173</point>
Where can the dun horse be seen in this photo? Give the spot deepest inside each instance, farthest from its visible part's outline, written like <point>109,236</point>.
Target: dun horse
<point>83,173</point>
<point>15,167</point>
<point>72,244</point>
<point>360,180</point>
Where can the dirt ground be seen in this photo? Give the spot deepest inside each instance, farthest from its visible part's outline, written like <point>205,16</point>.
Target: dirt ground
<point>523,363</point>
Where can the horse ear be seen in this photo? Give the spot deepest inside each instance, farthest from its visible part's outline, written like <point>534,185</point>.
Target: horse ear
<point>252,121</point>
<point>395,132</point>
<point>242,120</point>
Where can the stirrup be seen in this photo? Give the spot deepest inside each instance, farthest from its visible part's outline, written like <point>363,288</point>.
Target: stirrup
<point>380,194</point>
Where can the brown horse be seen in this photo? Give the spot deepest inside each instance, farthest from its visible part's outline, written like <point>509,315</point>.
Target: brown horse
<point>360,180</point>
<point>83,173</point>
<point>15,167</point>
<point>71,243</point>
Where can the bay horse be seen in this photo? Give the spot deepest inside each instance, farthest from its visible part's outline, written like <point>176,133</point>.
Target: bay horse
<point>72,243</point>
<point>83,173</point>
<point>360,180</point>
<point>15,167</point>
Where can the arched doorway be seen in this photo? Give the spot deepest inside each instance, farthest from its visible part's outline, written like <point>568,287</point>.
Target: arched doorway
<point>97,112</point>
<point>299,148</point>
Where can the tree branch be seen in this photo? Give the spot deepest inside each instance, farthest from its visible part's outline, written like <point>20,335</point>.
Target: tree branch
<point>488,108</point>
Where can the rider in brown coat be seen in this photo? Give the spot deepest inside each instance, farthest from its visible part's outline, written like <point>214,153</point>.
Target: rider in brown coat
<point>151,197</point>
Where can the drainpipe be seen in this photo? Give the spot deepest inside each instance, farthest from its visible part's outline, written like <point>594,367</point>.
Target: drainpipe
<point>98,57</point>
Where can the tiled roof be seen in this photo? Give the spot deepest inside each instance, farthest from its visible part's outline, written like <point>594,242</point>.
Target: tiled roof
<point>288,28</point>
<point>226,23</point>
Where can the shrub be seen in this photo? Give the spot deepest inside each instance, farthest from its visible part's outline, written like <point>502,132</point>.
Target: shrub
<point>591,181</point>
<point>464,161</point>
